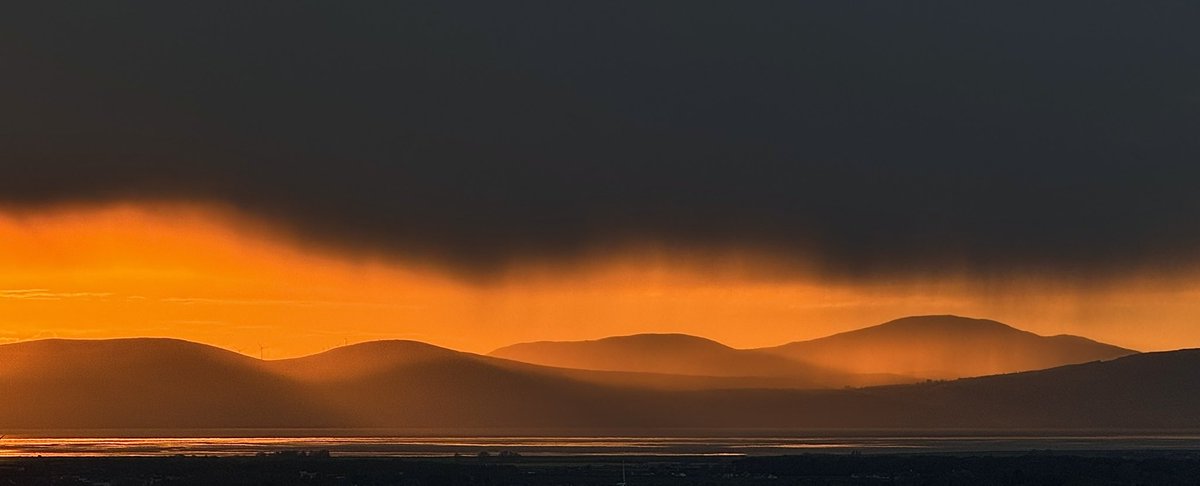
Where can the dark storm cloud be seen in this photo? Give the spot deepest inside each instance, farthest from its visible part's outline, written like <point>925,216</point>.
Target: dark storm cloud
<point>876,136</point>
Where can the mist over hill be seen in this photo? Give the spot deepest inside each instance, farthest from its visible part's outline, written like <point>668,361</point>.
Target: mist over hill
<point>681,354</point>
<point>147,383</point>
<point>171,384</point>
<point>910,349</point>
<point>944,346</point>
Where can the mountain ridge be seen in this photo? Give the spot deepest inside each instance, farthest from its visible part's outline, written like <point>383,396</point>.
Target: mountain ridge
<point>946,346</point>
<point>684,355</point>
<point>206,387</point>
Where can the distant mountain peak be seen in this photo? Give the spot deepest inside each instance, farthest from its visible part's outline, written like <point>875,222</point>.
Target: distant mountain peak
<point>943,322</point>
<point>365,357</point>
<point>646,337</point>
<point>677,354</point>
<point>945,318</point>
<point>391,346</point>
<point>661,339</point>
<point>123,347</point>
<point>946,346</point>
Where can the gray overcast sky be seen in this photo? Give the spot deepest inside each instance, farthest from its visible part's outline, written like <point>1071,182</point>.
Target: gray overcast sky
<point>877,137</point>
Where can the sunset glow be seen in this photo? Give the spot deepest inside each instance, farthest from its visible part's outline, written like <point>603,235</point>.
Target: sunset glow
<point>500,243</point>
<point>207,274</point>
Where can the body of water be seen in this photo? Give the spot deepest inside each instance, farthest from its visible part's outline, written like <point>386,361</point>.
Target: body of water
<point>24,446</point>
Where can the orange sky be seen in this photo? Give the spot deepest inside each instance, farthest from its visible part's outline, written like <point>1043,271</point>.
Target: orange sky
<point>205,274</point>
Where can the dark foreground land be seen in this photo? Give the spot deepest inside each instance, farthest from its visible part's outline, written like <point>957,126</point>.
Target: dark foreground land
<point>1132,468</point>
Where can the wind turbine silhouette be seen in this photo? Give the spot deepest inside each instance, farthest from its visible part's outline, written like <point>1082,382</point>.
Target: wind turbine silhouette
<point>260,350</point>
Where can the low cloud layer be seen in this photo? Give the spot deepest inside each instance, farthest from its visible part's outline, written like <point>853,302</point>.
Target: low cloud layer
<point>870,137</point>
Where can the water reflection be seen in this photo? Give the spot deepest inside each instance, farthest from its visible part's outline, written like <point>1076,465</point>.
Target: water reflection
<point>571,446</point>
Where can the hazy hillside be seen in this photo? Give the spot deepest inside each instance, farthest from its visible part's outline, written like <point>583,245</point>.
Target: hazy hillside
<point>362,359</point>
<point>382,357</point>
<point>175,384</point>
<point>945,347</point>
<point>681,354</point>
<point>145,383</point>
<point>164,383</point>
<point>1142,390</point>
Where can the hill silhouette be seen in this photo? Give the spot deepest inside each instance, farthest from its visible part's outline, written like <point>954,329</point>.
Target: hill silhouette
<point>390,356</point>
<point>174,384</point>
<point>944,346</point>
<point>1148,390</point>
<point>146,383</point>
<point>412,384</point>
<point>169,384</point>
<point>682,354</point>
<point>361,359</point>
